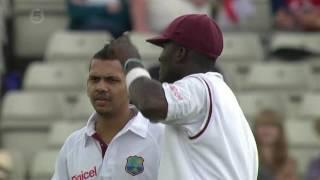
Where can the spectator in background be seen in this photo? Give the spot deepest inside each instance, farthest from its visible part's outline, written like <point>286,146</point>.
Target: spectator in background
<point>155,15</point>
<point>297,14</point>
<point>234,12</point>
<point>313,172</point>
<point>109,15</point>
<point>5,165</point>
<point>275,163</point>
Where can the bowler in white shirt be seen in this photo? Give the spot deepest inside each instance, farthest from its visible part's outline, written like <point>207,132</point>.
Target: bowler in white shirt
<point>207,136</point>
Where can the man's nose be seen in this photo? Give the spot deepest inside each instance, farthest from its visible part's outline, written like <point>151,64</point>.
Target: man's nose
<point>102,86</point>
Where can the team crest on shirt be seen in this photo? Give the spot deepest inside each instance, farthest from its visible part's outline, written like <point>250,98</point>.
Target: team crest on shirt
<point>134,165</point>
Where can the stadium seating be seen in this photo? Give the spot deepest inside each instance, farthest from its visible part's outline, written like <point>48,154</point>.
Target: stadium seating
<point>277,77</point>
<point>25,120</point>
<point>241,48</point>
<point>307,41</point>
<point>252,103</point>
<point>48,5</point>
<point>234,74</point>
<point>29,109</point>
<point>60,131</point>
<point>301,133</point>
<point>76,106</point>
<point>302,105</point>
<point>292,103</point>
<point>314,78</point>
<point>19,170</point>
<point>55,77</point>
<point>149,53</point>
<point>26,32</point>
<point>309,108</point>
<point>75,45</point>
<point>42,167</point>
<point>34,22</point>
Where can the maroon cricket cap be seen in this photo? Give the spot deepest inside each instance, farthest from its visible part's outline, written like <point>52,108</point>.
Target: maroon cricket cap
<point>194,31</point>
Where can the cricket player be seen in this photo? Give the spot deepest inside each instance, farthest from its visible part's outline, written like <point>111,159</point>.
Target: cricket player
<point>118,143</point>
<point>207,137</point>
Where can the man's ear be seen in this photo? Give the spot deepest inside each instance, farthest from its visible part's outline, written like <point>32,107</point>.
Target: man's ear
<point>181,54</point>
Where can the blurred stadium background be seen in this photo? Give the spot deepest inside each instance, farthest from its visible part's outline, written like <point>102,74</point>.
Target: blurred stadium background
<point>45,66</point>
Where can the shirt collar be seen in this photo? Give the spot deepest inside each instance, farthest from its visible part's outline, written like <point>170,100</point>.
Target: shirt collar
<point>91,125</point>
<point>138,125</point>
<point>90,128</point>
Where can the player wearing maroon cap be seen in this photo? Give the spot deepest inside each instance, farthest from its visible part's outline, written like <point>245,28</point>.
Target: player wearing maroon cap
<point>207,136</point>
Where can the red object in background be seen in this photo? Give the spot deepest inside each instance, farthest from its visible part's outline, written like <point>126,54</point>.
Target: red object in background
<point>229,6</point>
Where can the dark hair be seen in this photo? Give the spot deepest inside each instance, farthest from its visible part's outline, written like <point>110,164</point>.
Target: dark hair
<point>280,149</point>
<point>105,54</point>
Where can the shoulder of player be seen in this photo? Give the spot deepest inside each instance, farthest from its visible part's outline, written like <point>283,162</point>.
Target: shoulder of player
<point>156,133</point>
<point>194,79</point>
<point>75,139</point>
<point>207,80</point>
<point>155,130</point>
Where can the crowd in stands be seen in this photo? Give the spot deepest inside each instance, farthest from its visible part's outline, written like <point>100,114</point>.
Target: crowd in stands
<point>296,15</point>
<point>112,16</point>
<point>152,16</point>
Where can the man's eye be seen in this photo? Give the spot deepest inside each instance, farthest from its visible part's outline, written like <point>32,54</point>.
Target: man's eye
<point>94,79</point>
<point>113,80</point>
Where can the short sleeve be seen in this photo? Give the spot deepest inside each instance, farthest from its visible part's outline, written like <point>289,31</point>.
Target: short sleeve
<point>61,168</point>
<point>187,101</point>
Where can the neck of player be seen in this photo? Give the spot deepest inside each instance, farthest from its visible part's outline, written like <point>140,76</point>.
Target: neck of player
<point>108,126</point>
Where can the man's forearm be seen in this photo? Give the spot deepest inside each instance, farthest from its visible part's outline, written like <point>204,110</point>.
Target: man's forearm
<point>147,94</point>
<point>149,97</point>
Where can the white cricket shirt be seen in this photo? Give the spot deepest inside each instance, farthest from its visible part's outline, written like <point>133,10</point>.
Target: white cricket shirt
<point>207,137</point>
<point>133,154</point>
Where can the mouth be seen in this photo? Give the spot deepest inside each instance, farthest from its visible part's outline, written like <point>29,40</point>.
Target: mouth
<point>101,101</point>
